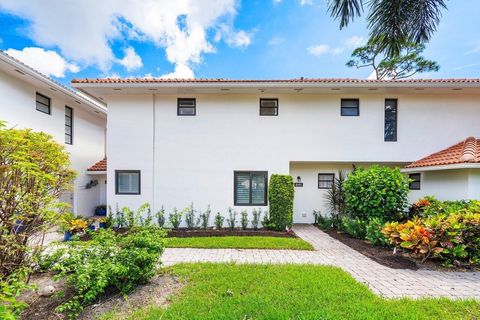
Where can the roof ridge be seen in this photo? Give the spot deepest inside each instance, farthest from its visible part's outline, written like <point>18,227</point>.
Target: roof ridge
<point>469,152</point>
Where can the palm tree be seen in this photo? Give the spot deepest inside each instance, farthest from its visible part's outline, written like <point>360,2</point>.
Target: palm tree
<point>392,23</point>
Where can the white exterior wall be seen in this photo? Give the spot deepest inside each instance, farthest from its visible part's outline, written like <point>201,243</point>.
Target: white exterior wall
<point>19,110</point>
<point>195,156</point>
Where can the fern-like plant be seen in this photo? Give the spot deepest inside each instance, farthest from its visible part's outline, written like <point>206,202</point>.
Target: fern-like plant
<point>336,197</point>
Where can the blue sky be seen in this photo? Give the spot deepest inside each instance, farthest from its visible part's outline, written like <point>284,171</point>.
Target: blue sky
<point>210,39</point>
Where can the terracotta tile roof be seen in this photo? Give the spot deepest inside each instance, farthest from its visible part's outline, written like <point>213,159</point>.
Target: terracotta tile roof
<point>296,80</point>
<point>466,151</point>
<point>99,166</point>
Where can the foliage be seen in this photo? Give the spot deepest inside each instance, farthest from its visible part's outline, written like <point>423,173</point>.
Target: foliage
<point>336,197</point>
<point>239,242</point>
<point>267,223</point>
<point>324,223</point>
<point>376,192</point>
<point>232,216</point>
<point>392,23</point>
<point>219,219</point>
<point>355,227</point>
<point>160,215</point>
<point>108,260</point>
<point>244,219</point>
<point>280,196</point>
<point>190,217</point>
<point>204,217</point>
<point>430,206</point>
<point>256,215</point>
<point>10,288</point>
<point>373,233</point>
<point>175,218</point>
<point>34,173</point>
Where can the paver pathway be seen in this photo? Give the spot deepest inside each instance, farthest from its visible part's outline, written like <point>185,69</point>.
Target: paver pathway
<point>382,280</point>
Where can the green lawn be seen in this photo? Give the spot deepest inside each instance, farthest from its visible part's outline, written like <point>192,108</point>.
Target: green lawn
<point>239,243</point>
<point>227,291</point>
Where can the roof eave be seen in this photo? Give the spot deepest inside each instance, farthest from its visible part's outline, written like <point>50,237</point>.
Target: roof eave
<point>442,167</point>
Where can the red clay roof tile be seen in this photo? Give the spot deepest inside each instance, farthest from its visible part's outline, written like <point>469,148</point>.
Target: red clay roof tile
<point>99,166</point>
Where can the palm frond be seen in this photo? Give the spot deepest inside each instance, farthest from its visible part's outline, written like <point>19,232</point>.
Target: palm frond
<point>345,10</point>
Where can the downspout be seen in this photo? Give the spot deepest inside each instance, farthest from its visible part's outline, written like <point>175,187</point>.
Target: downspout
<point>153,155</point>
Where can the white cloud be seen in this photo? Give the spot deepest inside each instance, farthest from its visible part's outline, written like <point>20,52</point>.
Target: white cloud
<point>240,39</point>
<point>181,72</point>
<point>275,41</point>
<point>131,61</point>
<point>48,62</point>
<point>355,42</point>
<point>84,30</point>
<point>276,1</point>
<point>322,49</point>
<point>306,2</point>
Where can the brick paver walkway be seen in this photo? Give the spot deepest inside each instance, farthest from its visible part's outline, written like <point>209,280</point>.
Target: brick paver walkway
<point>382,280</point>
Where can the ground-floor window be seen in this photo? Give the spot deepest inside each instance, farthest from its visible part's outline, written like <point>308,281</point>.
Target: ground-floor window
<point>127,181</point>
<point>414,181</point>
<point>325,180</point>
<point>250,188</point>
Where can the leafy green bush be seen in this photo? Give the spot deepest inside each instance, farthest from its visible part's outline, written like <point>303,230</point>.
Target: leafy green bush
<point>322,222</point>
<point>373,233</point>
<point>280,195</point>
<point>204,217</point>
<point>10,288</point>
<point>219,219</point>
<point>190,217</point>
<point>355,227</point>
<point>256,215</point>
<point>108,260</point>
<point>376,192</point>
<point>175,218</point>
<point>232,218</point>
<point>244,219</point>
<point>160,215</point>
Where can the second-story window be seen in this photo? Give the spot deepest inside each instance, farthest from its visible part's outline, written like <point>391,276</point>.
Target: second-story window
<point>269,107</point>
<point>390,120</point>
<point>43,103</point>
<point>186,107</point>
<point>350,107</point>
<point>68,125</point>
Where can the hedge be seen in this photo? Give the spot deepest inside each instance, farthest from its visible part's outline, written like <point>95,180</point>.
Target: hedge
<point>280,196</point>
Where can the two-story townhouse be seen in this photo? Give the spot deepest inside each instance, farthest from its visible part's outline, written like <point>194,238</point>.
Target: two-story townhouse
<point>215,141</point>
<point>32,100</point>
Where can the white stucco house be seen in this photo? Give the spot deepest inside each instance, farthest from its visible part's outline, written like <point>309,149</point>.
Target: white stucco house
<point>215,141</point>
<point>32,100</point>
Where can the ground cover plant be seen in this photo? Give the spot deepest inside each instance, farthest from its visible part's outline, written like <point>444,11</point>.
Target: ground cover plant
<point>239,242</point>
<point>229,291</point>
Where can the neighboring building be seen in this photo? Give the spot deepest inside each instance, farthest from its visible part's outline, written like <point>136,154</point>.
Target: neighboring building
<point>450,174</point>
<point>32,100</point>
<point>213,141</point>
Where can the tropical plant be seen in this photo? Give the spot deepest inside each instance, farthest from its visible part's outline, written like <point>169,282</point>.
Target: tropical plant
<point>335,197</point>
<point>256,215</point>
<point>324,223</point>
<point>280,196</point>
<point>373,232</point>
<point>219,219</point>
<point>160,215</point>
<point>232,218</point>
<point>190,217</point>
<point>10,289</point>
<point>204,217</point>
<point>403,65</point>
<point>376,192</point>
<point>175,218</point>
<point>355,227</point>
<point>392,23</point>
<point>244,219</point>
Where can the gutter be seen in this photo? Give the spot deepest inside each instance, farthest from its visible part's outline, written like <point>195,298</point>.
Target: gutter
<point>442,167</point>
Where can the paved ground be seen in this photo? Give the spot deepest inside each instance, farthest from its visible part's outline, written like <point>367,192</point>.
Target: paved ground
<point>382,280</point>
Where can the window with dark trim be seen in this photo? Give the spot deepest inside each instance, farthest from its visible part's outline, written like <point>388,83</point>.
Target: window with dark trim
<point>269,107</point>
<point>350,107</point>
<point>415,179</point>
<point>127,181</point>
<point>43,103</point>
<point>390,120</point>
<point>325,180</point>
<point>186,107</point>
<point>68,125</point>
<point>250,188</point>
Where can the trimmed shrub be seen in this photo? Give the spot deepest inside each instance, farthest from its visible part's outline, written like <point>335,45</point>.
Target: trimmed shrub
<point>355,227</point>
<point>376,192</point>
<point>280,196</point>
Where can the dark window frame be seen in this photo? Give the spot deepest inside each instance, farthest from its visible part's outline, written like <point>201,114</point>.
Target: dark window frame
<point>49,106</point>
<point>419,181</point>
<point>395,121</point>
<point>139,182</point>
<point>342,107</point>
<point>276,107</point>
<point>332,175</point>
<point>194,107</point>
<point>265,193</point>
<point>69,125</point>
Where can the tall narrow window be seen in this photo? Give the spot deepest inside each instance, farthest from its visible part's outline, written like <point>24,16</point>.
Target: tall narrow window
<point>186,107</point>
<point>269,107</point>
<point>390,120</point>
<point>127,181</point>
<point>350,107</point>
<point>68,125</point>
<point>43,103</point>
<point>250,188</point>
<point>325,180</point>
<point>415,179</point>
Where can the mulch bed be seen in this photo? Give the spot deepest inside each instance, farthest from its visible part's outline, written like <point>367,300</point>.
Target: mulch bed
<point>186,233</point>
<point>383,256</point>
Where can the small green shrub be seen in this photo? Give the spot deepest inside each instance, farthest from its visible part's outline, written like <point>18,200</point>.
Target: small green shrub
<point>373,233</point>
<point>376,192</point>
<point>355,227</point>
<point>219,219</point>
<point>280,195</point>
<point>244,219</point>
<point>190,217</point>
<point>322,222</point>
<point>10,288</point>
<point>232,218</point>
<point>267,223</point>
<point>204,217</point>
<point>160,215</point>
<point>175,218</point>
<point>256,215</point>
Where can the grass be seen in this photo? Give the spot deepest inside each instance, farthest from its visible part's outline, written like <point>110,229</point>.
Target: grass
<point>239,243</point>
<point>227,291</point>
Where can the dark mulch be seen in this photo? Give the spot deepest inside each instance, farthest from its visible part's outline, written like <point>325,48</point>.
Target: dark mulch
<point>186,233</point>
<point>383,256</point>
